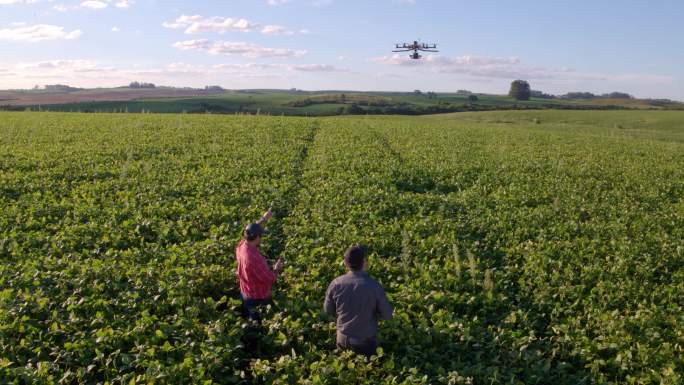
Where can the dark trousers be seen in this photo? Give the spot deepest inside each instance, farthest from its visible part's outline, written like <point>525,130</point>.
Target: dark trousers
<point>254,331</point>
<point>250,307</point>
<point>366,346</point>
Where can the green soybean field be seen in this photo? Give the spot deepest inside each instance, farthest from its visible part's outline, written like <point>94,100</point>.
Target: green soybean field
<point>519,247</point>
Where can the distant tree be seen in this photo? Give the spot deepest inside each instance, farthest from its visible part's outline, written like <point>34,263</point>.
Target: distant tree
<point>463,92</point>
<point>579,95</point>
<point>343,98</point>
<point>418,92</point>
<point>617,95</point>
<point>432,95</point>
<point>541,95</point>
<point>60,88</point>
<point>137,85</point>
<point>214,88</point>
<point>520,90</point>
<point>353,109</point>
<point>472,98</point>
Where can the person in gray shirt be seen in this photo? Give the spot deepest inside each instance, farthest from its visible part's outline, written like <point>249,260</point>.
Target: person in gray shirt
<point>357,301</point>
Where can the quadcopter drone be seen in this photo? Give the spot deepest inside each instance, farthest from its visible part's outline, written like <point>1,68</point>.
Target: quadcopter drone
<point>415,47</point>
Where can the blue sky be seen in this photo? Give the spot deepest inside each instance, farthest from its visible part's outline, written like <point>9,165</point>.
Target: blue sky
<point>597,46</point>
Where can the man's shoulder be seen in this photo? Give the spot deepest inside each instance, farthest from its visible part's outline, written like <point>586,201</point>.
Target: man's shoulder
<point>341,280</point>
<point>246,252</point>
<point>374,283</point>
<point>338,280</point>
<point>240,245</point>
<point>354,279</point>
<point>240,249</point>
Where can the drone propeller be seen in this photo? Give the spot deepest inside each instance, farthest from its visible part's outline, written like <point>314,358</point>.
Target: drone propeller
<point>415,47</point>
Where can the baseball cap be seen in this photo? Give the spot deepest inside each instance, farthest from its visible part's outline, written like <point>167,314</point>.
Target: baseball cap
<point>254,230</point>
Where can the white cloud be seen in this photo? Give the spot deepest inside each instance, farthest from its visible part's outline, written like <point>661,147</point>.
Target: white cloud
<point>197,24</point>
<point>443,61</point>
<point>280,30</point>
<point>237,48</point>
<point>196,45</point>
<point>478,66</point>
<point>277,2</point>
<point>87,73</point>
<point>124,3</point>
<point>486,67</point>
<point>94,4</point>
<point>72,65</point>
<point>39,32</point>
<point>317,68</point>
<point>91,4</point>
<point>11,2</point>
<point>288,67</point>
<point>116,29</point>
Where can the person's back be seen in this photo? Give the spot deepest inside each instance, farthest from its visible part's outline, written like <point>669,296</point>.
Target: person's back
<point>357,301</point>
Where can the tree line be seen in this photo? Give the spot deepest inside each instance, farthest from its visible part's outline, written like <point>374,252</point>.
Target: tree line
<point>521,90</point>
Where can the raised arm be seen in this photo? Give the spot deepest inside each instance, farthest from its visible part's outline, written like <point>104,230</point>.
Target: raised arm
<point>264,218</point>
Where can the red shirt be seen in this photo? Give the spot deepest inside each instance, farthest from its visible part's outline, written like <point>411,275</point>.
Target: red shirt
<point>256,277</point>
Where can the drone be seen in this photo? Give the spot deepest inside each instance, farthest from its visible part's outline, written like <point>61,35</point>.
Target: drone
<point>415,47</point>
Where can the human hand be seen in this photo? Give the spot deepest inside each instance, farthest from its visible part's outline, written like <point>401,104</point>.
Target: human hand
<point>279,265</point>
<point>267,215</point>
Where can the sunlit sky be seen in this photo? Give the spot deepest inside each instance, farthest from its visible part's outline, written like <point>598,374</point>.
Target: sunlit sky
<point>597,46</point>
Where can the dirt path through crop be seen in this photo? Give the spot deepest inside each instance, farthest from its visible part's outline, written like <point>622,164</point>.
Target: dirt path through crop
<point>284,204</point>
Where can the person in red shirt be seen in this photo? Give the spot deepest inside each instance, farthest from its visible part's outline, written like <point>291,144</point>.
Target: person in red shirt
<point>255,275</point>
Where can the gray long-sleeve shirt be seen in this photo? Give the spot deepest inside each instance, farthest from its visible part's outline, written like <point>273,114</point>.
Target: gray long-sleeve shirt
<point>357,301</point>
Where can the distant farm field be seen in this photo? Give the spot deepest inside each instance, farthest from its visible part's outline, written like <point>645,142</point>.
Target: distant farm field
<point>521,247</point>
<point>295,103</point>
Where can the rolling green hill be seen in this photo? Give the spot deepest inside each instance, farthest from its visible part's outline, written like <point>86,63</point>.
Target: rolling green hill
<point>301,103</point>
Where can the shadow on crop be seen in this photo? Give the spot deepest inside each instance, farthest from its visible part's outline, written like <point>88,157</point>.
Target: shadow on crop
<point>484,346</point>
<point>420,182</point>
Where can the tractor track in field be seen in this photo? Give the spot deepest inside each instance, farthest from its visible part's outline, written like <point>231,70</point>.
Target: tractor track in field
<point>384,141</point>
<point>288,200</point>
<point>256,345</point>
